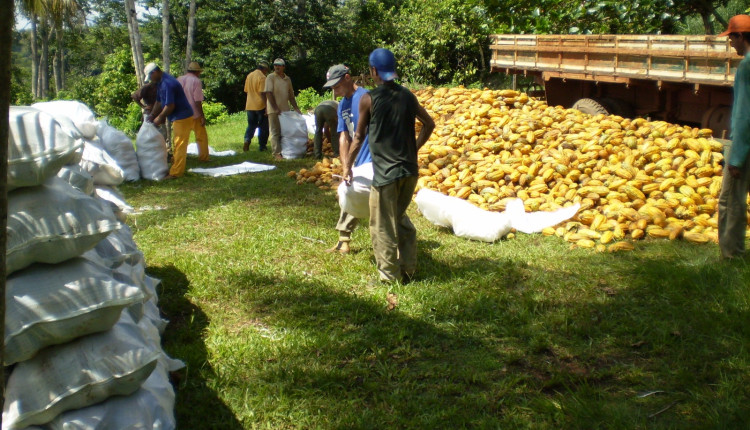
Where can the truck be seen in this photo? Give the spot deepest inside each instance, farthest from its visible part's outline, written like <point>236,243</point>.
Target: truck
<point>680,79</point>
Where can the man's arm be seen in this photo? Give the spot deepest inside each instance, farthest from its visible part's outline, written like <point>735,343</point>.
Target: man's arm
<point>136,96</point>
<point>199,108</point>
<point>161,117</point>
<point>272,101</point>
<point>365,104</point>
<point>155,111</point>
<point>344,141</point>
<point>293,100</point>
<point>428,125</point>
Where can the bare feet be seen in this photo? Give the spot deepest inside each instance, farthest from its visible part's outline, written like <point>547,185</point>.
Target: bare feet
<point>341,248</point>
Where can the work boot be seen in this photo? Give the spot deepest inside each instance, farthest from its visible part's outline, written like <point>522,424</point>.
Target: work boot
<point>246,147</point>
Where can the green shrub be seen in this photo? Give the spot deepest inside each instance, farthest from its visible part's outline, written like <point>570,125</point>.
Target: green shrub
<point>130,123</point>
<point>308,99</point>
<point>215,112</point>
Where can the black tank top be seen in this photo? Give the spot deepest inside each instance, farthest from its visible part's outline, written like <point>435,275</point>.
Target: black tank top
<point>393,143</point>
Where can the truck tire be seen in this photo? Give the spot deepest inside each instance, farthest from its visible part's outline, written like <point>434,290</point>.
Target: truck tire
<point>619,107</point>
<point>590,106</point>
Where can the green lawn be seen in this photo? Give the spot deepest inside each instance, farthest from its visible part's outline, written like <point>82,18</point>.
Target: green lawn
<point>522,333</point>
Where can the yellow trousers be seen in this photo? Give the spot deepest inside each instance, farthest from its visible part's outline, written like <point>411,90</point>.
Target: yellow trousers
<point>180,137</point>
<point>201,137</point>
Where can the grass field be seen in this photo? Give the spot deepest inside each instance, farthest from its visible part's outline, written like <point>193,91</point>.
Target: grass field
<point>522,333</point>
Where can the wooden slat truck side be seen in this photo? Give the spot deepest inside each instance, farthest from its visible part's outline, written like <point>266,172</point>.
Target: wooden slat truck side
<point>680,79</point>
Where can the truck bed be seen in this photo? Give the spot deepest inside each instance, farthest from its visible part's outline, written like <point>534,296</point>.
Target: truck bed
<point>618,58</point>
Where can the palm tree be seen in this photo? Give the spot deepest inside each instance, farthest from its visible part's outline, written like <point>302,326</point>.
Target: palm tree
<point>44,14</point>
<point>135,40</point>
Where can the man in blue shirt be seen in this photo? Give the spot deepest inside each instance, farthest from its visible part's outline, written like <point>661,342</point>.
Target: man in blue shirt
<point>340,80</point>
<point>736,176</point>
<point>171,103</point>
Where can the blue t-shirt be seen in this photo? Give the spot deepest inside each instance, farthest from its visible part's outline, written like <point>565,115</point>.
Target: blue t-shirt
<point>170,91</point>
<point>348,120</point>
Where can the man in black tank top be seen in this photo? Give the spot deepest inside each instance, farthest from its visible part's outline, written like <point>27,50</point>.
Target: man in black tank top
<point>390,111</point>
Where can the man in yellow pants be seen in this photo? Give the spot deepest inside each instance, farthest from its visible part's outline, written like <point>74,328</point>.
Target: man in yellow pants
<point>171,103</point>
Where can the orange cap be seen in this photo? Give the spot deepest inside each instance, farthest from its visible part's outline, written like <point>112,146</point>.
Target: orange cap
<point>738,24</point>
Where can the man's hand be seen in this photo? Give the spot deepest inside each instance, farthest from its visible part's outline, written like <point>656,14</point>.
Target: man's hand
<point>346,174</point>
<point>734,172</point>
<point>159,120</point>
<point>203,120</point>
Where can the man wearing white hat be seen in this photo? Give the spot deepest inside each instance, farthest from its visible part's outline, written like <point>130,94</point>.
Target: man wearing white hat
<point>171,103</point>
<point>193,88</point>
<point>280,94</point>
<point>736,177</point>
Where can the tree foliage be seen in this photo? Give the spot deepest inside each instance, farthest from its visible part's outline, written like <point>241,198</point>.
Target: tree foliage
<point>435,41</point>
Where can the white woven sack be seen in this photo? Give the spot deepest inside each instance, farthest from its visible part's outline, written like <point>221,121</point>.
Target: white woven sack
<point>78,374</point>
<point>354,199</point>
<point>151,150</point>
<point>38,147</point>
<point>293,135</point>
<point>76,177</point>
<point>53,223</point>
<point>78,113</point>
<point>53,304</point>
<point>434,206</point>
<point>100,165</point>
<point>151,407</point>
<point>120,147</point>
<point>113,196</point>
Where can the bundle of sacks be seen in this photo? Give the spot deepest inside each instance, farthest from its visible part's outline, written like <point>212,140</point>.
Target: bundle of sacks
<point>82,326</point>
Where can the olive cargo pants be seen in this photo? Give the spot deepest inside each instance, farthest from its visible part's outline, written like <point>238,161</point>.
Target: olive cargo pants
<point>394,238</point>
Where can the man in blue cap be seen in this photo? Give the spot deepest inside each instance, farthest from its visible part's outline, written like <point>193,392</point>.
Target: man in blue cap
<point>390,111</point>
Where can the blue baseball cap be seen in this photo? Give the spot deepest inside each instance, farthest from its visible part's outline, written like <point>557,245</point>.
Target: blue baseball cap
<point>385,63</point>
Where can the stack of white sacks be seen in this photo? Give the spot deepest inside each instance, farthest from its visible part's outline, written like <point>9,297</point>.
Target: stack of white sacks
<point>82,327</point>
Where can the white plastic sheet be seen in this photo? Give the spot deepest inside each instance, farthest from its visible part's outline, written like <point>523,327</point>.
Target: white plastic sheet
<point>234,169</point>
<point>293,135</point>
<point>354,199</point>
<point>151,150</point>
<point>192,149</point>
<point>38,146</point>
<point>474,223</point>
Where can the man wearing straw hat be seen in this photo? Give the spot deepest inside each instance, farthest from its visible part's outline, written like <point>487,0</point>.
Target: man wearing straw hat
<point>193,88</point>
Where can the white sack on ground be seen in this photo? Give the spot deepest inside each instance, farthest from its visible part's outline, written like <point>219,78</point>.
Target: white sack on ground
<point>78,113</point>
<point>293,135</point>
<point>234,169</point>
<point>50,304</point>
<point>151,150</point>
<point>78,374</point>
<point>535,222</point>
<point>77,178</point>
<point>38,147</point>
<point>192,149</point>
<point>474,223</point>
<point>119,146</point>
<point>100,165</point>
<point>354,199</point>
<point>52,223</point>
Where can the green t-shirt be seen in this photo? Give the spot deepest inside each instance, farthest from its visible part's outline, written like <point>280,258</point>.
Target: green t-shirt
<point>393,143</point>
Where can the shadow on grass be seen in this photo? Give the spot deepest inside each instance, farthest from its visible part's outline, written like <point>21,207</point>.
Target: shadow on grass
<point>183,339</point>
<point>507,351</point>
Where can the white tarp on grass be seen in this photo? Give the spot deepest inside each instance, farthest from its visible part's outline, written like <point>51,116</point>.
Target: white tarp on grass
<point>192,149</point>
<point>234,169</point>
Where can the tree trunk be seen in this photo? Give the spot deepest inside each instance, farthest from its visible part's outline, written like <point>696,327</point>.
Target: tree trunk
<point>165,34</point>
<point>34,57</point>
<point>57,62</point>
<point>707,23</point>
<point>44,60</point>
<point>301,11</point>
<point>190,35</point>
<point>7,20</point>
<point>135,40</point>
